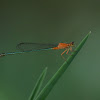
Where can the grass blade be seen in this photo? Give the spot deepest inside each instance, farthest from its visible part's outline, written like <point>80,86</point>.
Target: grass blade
<point>38,85</point>
<point>46,90</point>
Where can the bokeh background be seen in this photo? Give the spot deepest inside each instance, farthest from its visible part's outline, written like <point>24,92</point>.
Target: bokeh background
<point>50,21</point>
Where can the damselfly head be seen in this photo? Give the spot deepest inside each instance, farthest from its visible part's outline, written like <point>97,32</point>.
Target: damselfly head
<point>72,43</point>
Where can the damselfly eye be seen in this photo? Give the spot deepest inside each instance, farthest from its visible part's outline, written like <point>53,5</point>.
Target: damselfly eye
<point>72,43</point>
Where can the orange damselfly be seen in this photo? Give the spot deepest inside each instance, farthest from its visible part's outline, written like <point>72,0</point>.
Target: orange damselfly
<point>30,47</point>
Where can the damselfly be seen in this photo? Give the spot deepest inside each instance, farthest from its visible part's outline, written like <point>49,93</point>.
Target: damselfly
<point>30,47</point>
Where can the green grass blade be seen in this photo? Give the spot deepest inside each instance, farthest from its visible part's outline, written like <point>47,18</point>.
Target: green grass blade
<point>38,85</point>
<point>46,90</point>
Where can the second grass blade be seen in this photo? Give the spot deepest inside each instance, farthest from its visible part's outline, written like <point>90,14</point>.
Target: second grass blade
<point>38,85</point>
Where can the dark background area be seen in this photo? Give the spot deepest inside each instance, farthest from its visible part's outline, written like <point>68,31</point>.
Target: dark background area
<point>50,21</point>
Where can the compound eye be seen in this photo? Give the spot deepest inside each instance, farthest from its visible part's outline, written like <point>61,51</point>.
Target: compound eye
<point>72,43</point>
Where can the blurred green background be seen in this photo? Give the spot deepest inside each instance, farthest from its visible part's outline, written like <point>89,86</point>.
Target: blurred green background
<point>50,21</point>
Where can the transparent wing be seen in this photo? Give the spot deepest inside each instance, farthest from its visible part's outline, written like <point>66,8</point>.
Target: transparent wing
<point>34,46</point>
